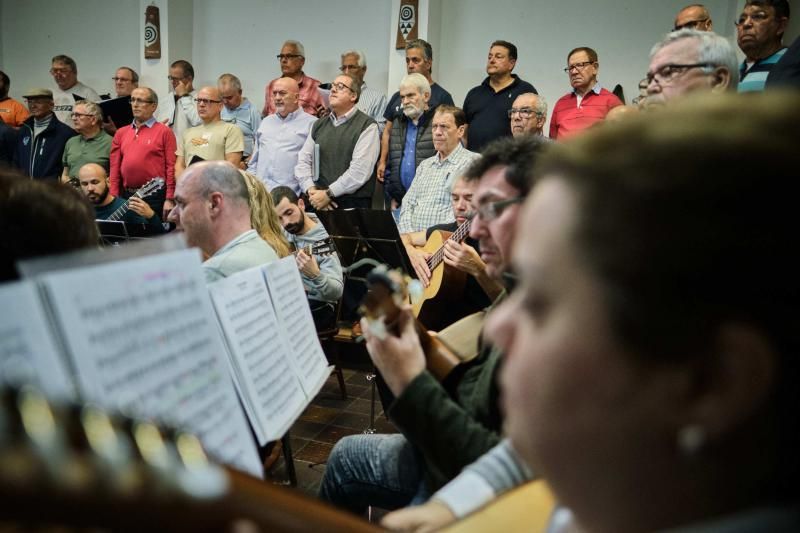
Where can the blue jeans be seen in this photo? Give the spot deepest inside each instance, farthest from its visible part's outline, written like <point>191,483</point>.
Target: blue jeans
<point>381,470</point>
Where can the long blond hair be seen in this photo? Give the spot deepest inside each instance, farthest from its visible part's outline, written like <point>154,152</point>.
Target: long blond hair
<point>263,216</point>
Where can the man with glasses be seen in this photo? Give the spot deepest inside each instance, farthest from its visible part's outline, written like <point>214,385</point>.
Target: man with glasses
<point>291,58</point>
<point>694,17</point>
<point>177,109</point>
<point>214,139</point>
<point>587,103</point>
<point>687,61</point>
<point>759,33</point>
<point>125,81</point>
<point>142,151</point>
<point>441,429</point>
<point>344,175</point>
<point>240,111</point>
<point>68,89</point>
<point>371,101</point>
<point>280,137</point>
<point>91,145</point>
<point>42,137</point>
<point>528,114</point>
<point>487,105</point>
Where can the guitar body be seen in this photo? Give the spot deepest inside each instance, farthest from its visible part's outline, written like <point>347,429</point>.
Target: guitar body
<point>438,306</point>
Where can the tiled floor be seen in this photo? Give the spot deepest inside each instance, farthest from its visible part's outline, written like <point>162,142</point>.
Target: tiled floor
<point>324,422</point>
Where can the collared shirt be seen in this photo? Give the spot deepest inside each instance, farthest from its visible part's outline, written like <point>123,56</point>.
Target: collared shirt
<point>310,99</point>
<point>408,165</point>
<point>247,118</point>
<point>754,77</point>
<point>140,153</point>
<point>373,103</point>
<point>248,250</point>
<point>80,150</point>
<point>571,116</point>
<point>179,115</point>
<point>146,124</point>
<point>427,201</point>
<point>487,111</point>
<point>277,142</point>
<point>362,162</point>
<point>596,89</point>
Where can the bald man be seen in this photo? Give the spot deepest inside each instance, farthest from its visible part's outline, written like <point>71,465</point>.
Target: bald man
<point>694,17</point>
<point>214,139</point>
<point>94,184</point>
<point>280,137</point>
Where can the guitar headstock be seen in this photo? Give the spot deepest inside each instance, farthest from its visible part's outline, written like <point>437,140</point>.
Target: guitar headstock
<point>323,247</point>
<point>151,187</point>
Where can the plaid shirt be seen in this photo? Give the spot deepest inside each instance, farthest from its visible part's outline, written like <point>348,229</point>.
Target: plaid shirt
<point>427,201</point>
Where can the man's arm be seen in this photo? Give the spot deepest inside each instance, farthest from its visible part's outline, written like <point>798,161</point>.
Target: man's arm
<point>180,166</point>
<point>466,259</point>
<point>362,163</point>
<point>170,147</point>
<point>65,174</point>
<point>325,275</point>
<point>115,165</point>
<point>186,102</point>
<point>384,157</point>
<point>234,145</point>
<point>304,170</point>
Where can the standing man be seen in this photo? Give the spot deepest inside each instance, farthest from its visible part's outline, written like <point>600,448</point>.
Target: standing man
<point>411,138</point>
<point>280,137</point>
<point>759,33</point>
<point>419,60</point>
<point>694,17</point>
<point>528,114</point>
<point>68,88</point>
<point>213,140</point>
<point>322,274</point>
<point>12,112</point>
<point>292,57</point>
<point>125,81</point>
<point>91,145</point>
<point>348,149</point>
<point>588,102</point>
<point>213,210</point>
<point>487,105</point>
<point>177,109</point>
<point>94,184</point>
<point>371,102</point>
<point>239,111</point>
<point>42,137</point>
<point>142,151</point>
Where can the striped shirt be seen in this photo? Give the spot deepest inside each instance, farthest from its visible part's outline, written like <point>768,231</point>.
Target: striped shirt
<point>754,78</point>
<point>427,202</point>
<point>373,103</point>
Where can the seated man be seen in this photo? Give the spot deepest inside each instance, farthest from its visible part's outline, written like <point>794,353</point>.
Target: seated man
<point>91,145</point>
<point>322,274</point>
<point>94,184</point>
<point>212,208</point>
<point>445,426</point>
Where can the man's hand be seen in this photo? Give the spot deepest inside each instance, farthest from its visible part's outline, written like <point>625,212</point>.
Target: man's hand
<point>110,127</point>
<point>399,359</point>
<point>419,260</point>
<point>169,205</point>
<point>322,111</point>
<point>141,207</point>
<point>463,257</point>
<point>320,199</point>
<point>182,89</point>
<point>432,516</point>
<point>381,170</point>
<point>307,264</point>
<point>394,204</point>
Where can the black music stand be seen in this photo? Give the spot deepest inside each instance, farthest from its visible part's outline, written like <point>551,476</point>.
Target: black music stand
<point>116,232</point>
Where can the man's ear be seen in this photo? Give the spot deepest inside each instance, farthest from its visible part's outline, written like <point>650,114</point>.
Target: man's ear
<point>733,383</point>
<point>720,79</point>
<point>216,200</point>
<point>301,204</point>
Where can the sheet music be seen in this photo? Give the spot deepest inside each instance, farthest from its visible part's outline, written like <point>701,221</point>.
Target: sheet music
<point>143,337</point>
<point>291,305</point>
<point>28,351</point>
<point>259,354</point>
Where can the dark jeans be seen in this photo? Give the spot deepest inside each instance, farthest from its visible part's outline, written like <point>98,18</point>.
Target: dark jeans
<point>323,313</point>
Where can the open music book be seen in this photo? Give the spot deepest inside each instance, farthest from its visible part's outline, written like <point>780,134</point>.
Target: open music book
<point>141,335</point>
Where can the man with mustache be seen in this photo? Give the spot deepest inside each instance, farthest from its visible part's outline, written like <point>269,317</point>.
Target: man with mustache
<point>759,33</point>
<point>94,184</point>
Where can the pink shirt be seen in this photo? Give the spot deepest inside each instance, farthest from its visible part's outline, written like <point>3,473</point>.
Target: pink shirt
<point>310,99</point>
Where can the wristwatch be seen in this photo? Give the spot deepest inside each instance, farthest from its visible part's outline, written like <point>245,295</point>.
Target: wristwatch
<point>330,194</point>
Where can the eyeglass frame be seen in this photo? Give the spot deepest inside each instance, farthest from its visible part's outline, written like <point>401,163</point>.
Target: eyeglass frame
<point>493,210</point>
<point>692,24</point>
<point>116,78</point>
<point>521,112</point>
<point>141,101</point>
<point>339,86</point>
<point>74,114</point>
<point>578,66</point>
<point>280,57</point>
<point>206,101</point>
<point>677,66</point>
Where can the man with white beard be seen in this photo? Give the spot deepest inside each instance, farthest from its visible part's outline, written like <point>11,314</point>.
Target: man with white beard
<point>411,140</point>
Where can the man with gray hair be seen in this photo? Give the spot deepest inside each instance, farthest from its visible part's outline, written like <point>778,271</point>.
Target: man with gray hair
<point>528,114</point>
<point>212,209</point>
<point>687,61</point>
<point>239,111</point>
<point>694,17</point>
<point>68,89</point>
<point>292,57</point>
<point>91,145</point>
<point>411,138</point>
<point>759,33</point>
<point>371,102</point>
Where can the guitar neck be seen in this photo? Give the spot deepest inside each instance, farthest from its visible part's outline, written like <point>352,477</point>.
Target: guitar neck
<point>121,210</point>
<point>458,235</point>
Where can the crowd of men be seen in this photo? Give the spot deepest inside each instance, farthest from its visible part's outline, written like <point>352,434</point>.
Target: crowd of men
<point>318,147</point>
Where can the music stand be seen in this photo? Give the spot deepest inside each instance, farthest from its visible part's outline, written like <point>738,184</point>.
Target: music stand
<point>115,232</point>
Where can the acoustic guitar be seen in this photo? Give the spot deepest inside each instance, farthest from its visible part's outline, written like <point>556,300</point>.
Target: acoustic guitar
<point>148,189</point>
<point>321,247</point>
<point>446,283</point>
<point>77,466</point>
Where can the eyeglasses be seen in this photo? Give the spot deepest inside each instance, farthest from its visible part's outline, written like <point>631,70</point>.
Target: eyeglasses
<point>524,112</point>
<point>757,18</point>
<point>76,115</point>
<point>140,101</point>
<point>176,78</point>
<point>580,66</point>
<point>60,70</point>
<point>492,210</point>
<point>281,57</point>
<point>667,73</point>
<point>346,68</point>
<point>206,101</point>
<point>692,24</point>
<point>339,86</point>
<point>115,79</point>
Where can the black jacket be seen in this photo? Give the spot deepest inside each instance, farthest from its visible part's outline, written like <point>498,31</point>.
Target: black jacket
<point>41,157</point>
